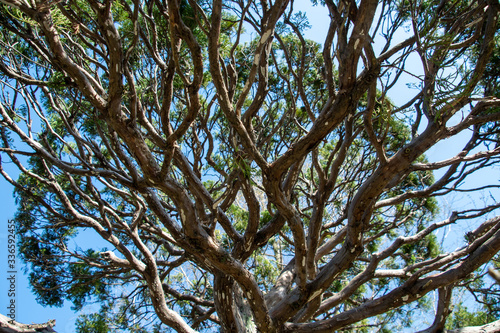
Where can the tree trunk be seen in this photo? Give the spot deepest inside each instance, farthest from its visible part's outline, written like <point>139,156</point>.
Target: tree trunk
<point>8,325</point>
<point>233,309</point>
<point>493,327</point>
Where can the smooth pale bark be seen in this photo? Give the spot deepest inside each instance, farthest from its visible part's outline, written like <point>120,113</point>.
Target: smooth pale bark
<point>493,327</point>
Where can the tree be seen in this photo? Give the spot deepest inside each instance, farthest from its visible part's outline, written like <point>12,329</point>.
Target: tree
<point>9,325</point>
<point>226,172</point>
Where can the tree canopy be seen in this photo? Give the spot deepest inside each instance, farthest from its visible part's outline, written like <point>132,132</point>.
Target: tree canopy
<point>195,165</point>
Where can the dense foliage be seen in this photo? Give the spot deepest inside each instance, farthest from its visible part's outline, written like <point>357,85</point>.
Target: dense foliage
<point>194,165</point>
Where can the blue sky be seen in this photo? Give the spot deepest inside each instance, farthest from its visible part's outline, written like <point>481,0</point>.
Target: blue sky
<point>27,309</point>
